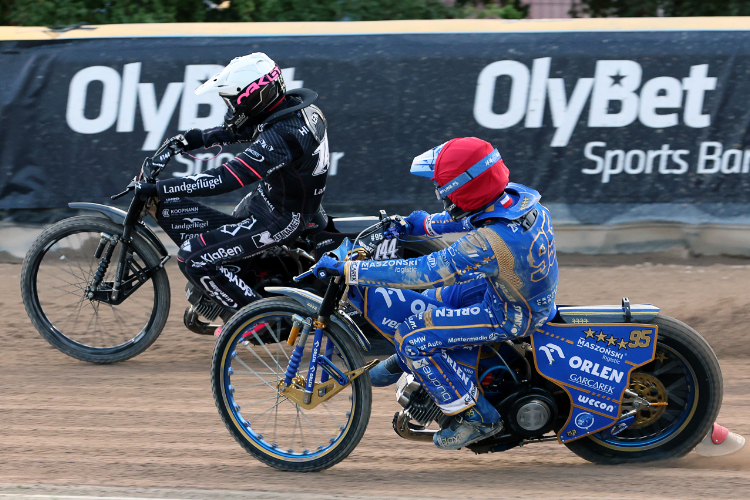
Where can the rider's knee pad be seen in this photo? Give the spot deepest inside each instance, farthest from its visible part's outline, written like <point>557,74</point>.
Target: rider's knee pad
<point>407,342</point>
<point>190,261</point>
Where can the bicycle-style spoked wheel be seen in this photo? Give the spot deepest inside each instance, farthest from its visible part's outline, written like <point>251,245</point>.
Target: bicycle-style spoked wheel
<point>250,360</point>
<point>56,284</point>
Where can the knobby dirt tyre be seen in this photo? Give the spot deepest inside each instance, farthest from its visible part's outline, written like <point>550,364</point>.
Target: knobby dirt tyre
<point>78,236</point>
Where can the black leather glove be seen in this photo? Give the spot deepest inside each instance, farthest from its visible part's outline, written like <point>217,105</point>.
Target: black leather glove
<point>145,189</point>
<point>194,138</point>
<point>176,144</point>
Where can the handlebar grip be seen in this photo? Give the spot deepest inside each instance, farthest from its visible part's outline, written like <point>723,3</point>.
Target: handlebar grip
<point>303,275</point>
<point>120,195</point>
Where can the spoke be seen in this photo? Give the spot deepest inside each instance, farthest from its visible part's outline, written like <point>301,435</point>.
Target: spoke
<point>276,339</point>
<point>680,383</point>
<point>669,416</point>
<point>301,434</point>
<point>265,423</point>
<point>665,368</point>
<point>261,360</point>
<point>263,345</point>
<point>82,279</point>
<point>74,294</point>
<point>325,407</point>
<point>271,408</point>
<point>249,386</point>
<point>268,384</point>
<point>677,400</point>
<point>259,401</point>
<point>311,428</point>
<point>252,372</point>
<point>120,321</point>
<point>294,430</point>
<point>77,285</point>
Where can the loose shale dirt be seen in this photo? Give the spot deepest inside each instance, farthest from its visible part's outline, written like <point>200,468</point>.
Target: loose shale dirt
<point>148,427</point>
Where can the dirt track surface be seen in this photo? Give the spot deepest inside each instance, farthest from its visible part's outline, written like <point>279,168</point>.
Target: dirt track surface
<point>148,427</point>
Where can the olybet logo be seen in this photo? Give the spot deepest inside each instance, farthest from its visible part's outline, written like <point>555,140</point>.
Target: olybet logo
<point>615,81</point>
<point>123,94</point>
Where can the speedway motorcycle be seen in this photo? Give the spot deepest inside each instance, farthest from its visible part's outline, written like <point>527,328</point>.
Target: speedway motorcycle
<point>614,384</point>
<point>95,287</point>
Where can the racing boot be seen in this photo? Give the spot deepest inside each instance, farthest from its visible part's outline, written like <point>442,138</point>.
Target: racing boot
<point>471,425</point>
<point>386,373</point>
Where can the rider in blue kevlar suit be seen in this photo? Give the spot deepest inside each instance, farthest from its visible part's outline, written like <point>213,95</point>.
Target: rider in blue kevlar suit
<point>496,283</point>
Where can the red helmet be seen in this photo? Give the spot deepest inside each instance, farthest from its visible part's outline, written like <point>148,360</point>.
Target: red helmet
<point>475,190</point>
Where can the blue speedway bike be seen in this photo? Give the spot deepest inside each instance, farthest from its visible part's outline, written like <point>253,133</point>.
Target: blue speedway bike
<point>615,384</point>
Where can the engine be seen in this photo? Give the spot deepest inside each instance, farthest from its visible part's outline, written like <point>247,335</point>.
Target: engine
<point>529,413</point>
<point>419,410</point>
<point>417,403</point>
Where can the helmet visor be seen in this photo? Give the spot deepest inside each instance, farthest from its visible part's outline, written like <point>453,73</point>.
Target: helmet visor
<point>229,102</point>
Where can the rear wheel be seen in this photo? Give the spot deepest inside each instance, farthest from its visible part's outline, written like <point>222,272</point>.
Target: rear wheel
<point>250,359</point>
<point>56,283</point>
<point>686,374</point>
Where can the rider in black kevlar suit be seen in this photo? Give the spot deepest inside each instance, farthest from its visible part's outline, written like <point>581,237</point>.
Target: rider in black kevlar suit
<point>288,153</point>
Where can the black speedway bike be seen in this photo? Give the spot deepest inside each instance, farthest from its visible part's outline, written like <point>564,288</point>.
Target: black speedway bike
<point>95,286</point>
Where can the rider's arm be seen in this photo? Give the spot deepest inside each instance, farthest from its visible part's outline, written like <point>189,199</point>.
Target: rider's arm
<point>420,223</point>
<point>273,149</point>
<point>469,258</point>
<point>442,223</point>
<point>197,138</point>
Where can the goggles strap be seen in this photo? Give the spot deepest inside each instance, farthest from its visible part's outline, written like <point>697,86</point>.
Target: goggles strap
<point>476,170</point>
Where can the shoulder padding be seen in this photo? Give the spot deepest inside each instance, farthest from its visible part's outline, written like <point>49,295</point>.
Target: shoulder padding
<point>527,199</point>
<point>315,121</point>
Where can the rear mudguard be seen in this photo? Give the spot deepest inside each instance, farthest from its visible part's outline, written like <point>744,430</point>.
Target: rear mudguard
<point>312,302</point>
<point>639,313</point>
<point>118,217</point>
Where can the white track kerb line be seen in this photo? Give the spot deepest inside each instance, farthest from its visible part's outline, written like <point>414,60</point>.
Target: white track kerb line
<point>77,497</point>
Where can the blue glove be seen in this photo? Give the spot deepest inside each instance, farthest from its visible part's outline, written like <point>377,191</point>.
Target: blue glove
<point>414,226</point>
<point>328,266</point>
<point>415,220</point>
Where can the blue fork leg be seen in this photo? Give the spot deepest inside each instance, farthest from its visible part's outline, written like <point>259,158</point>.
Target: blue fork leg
<point>312,371</point>
<point>329,353</point>
<point>291,370</point>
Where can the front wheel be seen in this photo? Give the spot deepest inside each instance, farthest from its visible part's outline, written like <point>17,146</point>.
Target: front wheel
<point>249,361</point>
<point>57,291</point>
<point>686,375</point>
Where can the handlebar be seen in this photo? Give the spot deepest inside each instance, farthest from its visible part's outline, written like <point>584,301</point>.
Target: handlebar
<point>303,275</point>
<point>120,195</point>
<point>384,223</point>
<point>159,160</point>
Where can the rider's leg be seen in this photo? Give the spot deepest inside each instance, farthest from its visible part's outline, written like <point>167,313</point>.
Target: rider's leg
<point>184,218</point>
<point>430,344</point>
<point>385,309</point>
<point>460,295</point>
<point>206,259</point>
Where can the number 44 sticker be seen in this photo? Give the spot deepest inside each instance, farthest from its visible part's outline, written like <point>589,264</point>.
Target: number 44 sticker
<point>387,250</point>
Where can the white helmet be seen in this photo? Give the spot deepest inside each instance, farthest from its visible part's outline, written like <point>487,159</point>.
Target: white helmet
<point>250,85</point>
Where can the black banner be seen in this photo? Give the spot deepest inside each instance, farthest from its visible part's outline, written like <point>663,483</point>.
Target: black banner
<point>609,127</point>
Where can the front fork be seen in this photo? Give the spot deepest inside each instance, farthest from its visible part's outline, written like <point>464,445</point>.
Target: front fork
<point>138,208</point>
<point>301,328</point>
<point>304,325</point>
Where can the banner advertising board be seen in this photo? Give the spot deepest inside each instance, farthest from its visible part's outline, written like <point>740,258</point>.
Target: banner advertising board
<point>610,126</point>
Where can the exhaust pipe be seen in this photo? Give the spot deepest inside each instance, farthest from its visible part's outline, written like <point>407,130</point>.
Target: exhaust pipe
<point>409,431</point>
